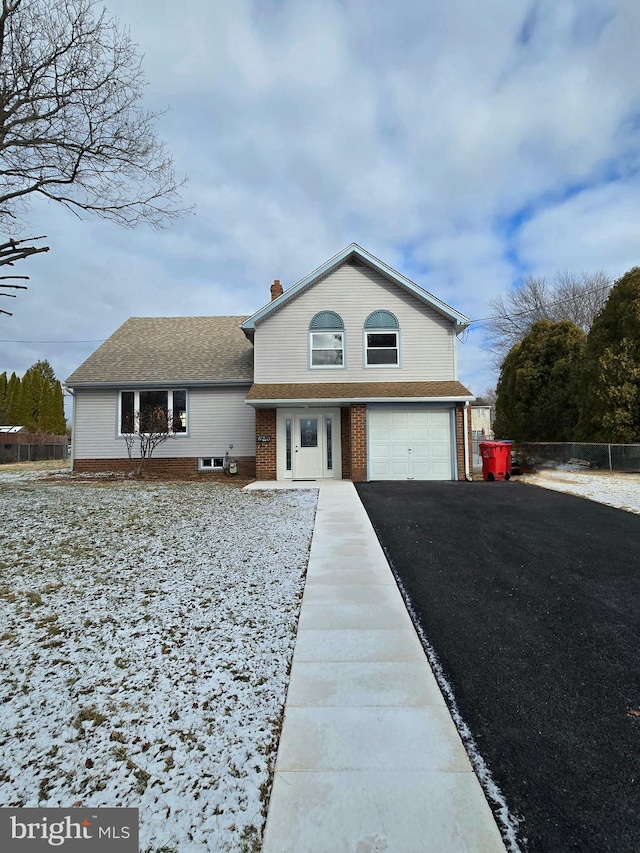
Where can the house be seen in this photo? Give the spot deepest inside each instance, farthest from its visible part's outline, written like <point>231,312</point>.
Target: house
<point>349,373</point>
<point>481,422</point>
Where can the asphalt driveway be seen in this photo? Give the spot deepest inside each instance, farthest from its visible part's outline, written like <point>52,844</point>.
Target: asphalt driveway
<point>531,600</point>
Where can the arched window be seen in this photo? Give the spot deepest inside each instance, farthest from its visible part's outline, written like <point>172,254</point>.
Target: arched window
<point>327,320</point>
<point>326,340</point>
<point>381,320</point>
<point>382,340</point>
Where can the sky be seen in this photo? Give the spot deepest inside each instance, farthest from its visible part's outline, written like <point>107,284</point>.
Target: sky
<point>467,145</point>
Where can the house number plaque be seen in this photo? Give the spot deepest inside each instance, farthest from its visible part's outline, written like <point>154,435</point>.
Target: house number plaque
<point>263,438</point>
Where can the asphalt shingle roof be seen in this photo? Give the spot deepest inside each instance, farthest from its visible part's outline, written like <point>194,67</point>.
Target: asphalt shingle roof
<point>357,390</point>
<point>170,349</point>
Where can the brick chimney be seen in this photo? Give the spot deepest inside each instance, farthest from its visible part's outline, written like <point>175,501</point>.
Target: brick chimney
<point>276,289</point>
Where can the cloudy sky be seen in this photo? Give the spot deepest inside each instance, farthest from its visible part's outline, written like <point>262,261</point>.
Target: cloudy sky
<point>466,144</point>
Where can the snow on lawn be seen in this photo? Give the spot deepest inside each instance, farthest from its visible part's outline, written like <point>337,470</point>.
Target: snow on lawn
<point>618,490</point>
<point>146,634</point>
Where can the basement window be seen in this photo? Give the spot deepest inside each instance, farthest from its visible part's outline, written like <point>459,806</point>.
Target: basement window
<point>211,463</point>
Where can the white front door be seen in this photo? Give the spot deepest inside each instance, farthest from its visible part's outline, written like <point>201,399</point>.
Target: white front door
<point>308,446</point>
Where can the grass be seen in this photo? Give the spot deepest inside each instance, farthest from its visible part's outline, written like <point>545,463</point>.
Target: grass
<point>147,634</point>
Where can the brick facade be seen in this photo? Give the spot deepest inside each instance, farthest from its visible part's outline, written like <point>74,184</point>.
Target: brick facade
<point>174,467</point>
<point>266,450</point>
<point>358,441</point>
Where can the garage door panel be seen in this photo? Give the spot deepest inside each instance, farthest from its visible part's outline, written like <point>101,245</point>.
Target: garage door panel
<point>380,452</point>
<point>421,470</point>
<point>398,418</point>
<point>441,470</point>
<point>400,469</point>
<point>419,435</point>
<point>398,434</point>
<point>399,451</point>
<point>420,451</point>
<point>439,453</point>
<point>410,444</point>
<point>380,434</point>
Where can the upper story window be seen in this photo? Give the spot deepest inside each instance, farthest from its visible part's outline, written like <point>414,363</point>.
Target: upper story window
<point>326,340</point>
<point>382,340</point>
<point>153,411</point>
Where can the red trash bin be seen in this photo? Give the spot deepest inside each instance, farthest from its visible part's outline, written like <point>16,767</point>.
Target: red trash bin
<point>496,460</point>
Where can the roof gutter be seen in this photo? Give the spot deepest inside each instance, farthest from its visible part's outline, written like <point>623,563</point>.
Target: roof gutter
<point>341,401</point>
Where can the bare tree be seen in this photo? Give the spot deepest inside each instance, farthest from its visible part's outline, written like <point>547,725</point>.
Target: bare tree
<point>72,128</point>
<point>147,429</point>
<point>578,298</point>
<point>10,252</point>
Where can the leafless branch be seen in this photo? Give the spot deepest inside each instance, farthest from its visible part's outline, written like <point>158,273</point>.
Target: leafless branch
<point>147,429</point>
<point>578,298</point>
<point>72,125</point>
<point>10,252</point>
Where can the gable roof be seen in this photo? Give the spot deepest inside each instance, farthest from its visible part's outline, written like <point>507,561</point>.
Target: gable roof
<point>167,350</point>
<point>349,254</point>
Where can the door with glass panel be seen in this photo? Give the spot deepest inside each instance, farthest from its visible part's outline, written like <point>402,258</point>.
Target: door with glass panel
<point>310,444</point>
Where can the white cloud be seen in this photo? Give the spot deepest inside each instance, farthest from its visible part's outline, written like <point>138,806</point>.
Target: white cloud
<point>596,229</point>
<point>420,130</point>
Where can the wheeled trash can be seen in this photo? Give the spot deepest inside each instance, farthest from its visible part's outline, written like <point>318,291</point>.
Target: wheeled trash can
<point>496,460</point>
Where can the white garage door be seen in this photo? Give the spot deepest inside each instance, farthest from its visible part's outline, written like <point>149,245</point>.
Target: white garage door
<point>409,444</point>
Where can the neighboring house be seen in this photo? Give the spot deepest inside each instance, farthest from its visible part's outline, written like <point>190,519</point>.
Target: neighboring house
<point>481,422</point>
<point>350,373</point>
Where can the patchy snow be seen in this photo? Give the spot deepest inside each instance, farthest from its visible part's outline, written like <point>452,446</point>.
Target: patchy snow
<point>146,635</point>
<point>618,490</point>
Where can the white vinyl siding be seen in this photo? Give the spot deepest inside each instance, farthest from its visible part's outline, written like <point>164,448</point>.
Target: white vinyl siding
<point>281,341</point>
<point>217,417</point>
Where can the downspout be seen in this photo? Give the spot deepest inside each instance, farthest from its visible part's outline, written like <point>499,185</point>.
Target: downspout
<point>465,443</point>
<point>73,427</point>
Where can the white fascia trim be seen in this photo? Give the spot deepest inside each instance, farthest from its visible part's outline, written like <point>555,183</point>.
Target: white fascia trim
<point>341,401</point>
<point>461,322</point>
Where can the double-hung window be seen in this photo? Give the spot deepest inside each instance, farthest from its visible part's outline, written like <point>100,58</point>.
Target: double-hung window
<point>382,340</point>
<point>155,410</point>
<point>326,340</point>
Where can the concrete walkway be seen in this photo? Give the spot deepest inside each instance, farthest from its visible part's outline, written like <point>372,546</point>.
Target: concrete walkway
<point>369,760</point>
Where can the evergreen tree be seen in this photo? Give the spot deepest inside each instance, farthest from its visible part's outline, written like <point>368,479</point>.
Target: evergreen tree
<point>51,419</point>
<point>44,369</point>
<point>610,385</point>
<point>45,409</point>
<point>29,400</point>
<point>537,388</point>
<point>13,401</point>
<point>3,398</point>
<point>36,401</point>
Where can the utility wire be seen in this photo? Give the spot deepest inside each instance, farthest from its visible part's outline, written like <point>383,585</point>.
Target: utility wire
<point>546,305</point>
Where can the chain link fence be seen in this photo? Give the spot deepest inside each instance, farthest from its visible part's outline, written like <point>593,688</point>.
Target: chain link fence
<point>604,457</point>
